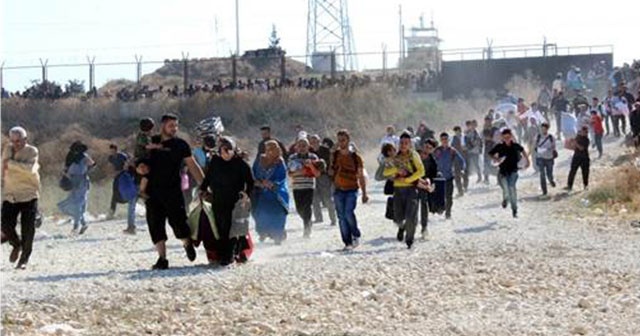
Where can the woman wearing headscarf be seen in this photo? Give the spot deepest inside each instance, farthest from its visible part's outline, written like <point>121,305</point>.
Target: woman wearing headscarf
<point>77,166</point>
<point>229,180</point>
<point>271,195</point>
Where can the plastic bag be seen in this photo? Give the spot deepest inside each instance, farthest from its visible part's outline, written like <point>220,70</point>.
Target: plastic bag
<point>201,208</point>
<point>127,186</point>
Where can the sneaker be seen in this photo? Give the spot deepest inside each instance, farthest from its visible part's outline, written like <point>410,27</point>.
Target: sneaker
<point>400,235</point>
<point>504,204</point>
<point>83,229</point>
<point>409,244</point>
<point>161,264</point>
<point>569,189</point>
<point>586,188</point>
<point>447,217</point>
<point>514,213</point>
<point>22,265</point>
<point>347,248</point>
<point>226,263</point>
<point>317,221</point>
<point>356,242</point>
<point>552,184</point>
<point>111,215</point>
<point>425,234</point>
<point>130,231</point>
<point>39,219</point>
<point>191,251</point>
<point>15,253</point>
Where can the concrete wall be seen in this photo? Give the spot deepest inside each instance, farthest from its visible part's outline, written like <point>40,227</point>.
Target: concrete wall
<point>460,78</point>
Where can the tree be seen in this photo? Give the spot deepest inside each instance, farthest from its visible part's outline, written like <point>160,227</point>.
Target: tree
<point>274,40</point>
<point>74,88</point>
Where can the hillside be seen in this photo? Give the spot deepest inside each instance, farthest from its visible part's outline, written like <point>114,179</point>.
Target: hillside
<point>210,70</point>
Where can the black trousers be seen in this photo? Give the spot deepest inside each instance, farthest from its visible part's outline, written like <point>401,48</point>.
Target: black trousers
<point>582,163</point>
<point>405,208</point>
<point>304,200</point>
<point>323,196</point>
<point>448,200</point>
<point>27,212</point>
<point>222,206</point>
<point>161,209</point>
<point>423,196</point>
<point>115,194</point>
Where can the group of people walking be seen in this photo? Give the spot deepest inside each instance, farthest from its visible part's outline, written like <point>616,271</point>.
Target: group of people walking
<point>421,174</point>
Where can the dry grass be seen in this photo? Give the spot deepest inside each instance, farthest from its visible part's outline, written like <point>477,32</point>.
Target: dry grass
<point>620,190</point>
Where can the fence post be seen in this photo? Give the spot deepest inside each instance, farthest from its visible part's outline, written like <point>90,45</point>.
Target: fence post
<point>384,59</point>
<point>2,75</point>
<point>44,69</point>
<point>185,71</point>
<point>333,64</point>
<point>138,69</point>
<point>92,69</point>
<point>283,68</point>
<point>234,71</point>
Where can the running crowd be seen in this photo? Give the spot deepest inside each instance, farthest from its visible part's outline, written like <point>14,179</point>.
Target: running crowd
<point>208,194</point>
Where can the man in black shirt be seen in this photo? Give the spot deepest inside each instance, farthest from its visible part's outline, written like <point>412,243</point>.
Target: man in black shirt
<point>580,159</point>
<point>166,201</point>
<point>265,133</point>
<point>508,154</point>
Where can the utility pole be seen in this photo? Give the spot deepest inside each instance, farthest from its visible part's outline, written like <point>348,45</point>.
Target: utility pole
<point>237,28</point>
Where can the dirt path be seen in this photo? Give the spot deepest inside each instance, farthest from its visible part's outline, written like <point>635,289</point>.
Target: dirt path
<point>483,273</point>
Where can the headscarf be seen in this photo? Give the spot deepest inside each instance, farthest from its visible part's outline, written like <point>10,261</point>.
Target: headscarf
<point>76,153</point>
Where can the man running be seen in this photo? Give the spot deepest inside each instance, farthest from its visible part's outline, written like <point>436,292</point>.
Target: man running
<point>580,159</point>
<point>405,171</point>
<point>447,157</point>
<point>20,192</point>
<point>166,201</point>
<point>509,153</point>
<point>347,170</point>
<point>473,144</point>
<point>323,191</point>
<point>118,161</point>
<point>545,157</point>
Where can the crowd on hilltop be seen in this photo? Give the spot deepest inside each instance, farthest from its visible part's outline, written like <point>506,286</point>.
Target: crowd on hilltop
<point>414,82</point>
<point>208,191</point>
<point>424,81</point>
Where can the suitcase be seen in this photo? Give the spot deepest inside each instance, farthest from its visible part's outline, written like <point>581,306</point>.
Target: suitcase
<point>437,197</point>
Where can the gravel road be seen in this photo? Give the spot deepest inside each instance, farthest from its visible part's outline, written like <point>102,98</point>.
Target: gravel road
<point>549,272</point>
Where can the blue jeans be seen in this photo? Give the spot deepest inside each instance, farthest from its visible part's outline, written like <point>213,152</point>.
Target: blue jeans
<point>508,185</point>
<point>131,213</point>
<point>598,141</point>
<point>545,167</point>
<point>346,201</point>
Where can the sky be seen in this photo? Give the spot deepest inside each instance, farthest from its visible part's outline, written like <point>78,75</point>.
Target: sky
<point>67,31</point>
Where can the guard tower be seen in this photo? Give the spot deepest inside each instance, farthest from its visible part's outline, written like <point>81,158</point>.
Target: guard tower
<point>328,32</point>
<point>423,48</point>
